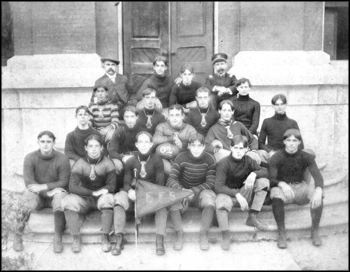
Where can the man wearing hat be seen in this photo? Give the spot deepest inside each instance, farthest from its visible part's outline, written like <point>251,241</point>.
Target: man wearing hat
<point>120,91</point>
<point>221,84</point>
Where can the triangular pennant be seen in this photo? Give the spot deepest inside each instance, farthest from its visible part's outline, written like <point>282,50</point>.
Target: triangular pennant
<point>152,197</point>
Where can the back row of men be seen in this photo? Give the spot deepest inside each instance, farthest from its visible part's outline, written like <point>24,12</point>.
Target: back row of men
<point>225,164</point>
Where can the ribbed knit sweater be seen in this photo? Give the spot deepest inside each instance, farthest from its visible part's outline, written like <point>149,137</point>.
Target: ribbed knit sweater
<point>154,168</point>
<point>193,173</point>
<point>80,182</point>
<point>194,118</point>
<point>247,111</point>
<point>156,119</point>
<point>53,170</point>
<point>231,173</point>
<point>104,114</point>
<point>290,168</point>
<point>183,94</point>
<point>273,129</point>
<point>74,147</point>
<point>123,141</point>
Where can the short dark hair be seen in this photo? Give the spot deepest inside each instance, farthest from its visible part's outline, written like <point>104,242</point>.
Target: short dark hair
<point>242,81</point>
<point>82,107</point>
<point>93,137</point>
<point>144,133</point>
<point>148,91</point>
<point>48,133</point>
<point>188,67</point>
<point>160,58</point>
<point>239,139</point>
<point>278,96</point>
<point>132,109</point>
<point>176,107</point>
<point>292,132</point>
<point>203,90</point>
<point>100,86</point>
<point>197,137</point>
<point>226,102</point>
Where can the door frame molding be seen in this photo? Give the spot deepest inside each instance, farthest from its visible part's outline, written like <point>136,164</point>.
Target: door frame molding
<point>120,32</point>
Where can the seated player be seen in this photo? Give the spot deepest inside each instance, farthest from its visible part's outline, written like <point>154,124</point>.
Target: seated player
<point>241,182</point>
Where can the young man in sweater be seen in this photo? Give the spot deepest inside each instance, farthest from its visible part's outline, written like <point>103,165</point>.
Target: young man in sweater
<point>219,136</point>
<point>221,84</point>
<point>46,176</point>
<point>241,182</point>
<point>105,115</point>
<point>288,185</point>
<point>273,129</point>
<point>122,145</point>
<point>247,110</point>
<point>74,146</point>
<point>202,117</point>
<point>120,89</point>
<point>149,167</point>
<point>149,116</point>
<point>172,136</point>
<point>194,171</point>
<point>184,93</point>
<point>92,186</point>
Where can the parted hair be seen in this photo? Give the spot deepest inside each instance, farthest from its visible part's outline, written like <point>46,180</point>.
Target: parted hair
<point>93,137</point>
<point>242,81</point>
<point>203,90</point>
<point>48,133</point>
<point>292,132</point>
<point>82,107</point>
<point>160,58</point>
<point>148,91</point>
<point>278,96</point>
<point>239,139</point>
<point>197,137</point>
<point>144,133</point>
<point>176,107</point>
<point>100,86</point>
<point>188,67</point>
<point>228,102</point>
<point>132,109</point>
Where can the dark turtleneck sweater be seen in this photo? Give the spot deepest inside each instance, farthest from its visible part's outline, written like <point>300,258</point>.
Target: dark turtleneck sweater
<point>290,168</point>
<point>162,85</point>
<point>74,146</point>
<point>193,173</point>
<point>154,168</point>
<point>183,94</point>
<point>156,119</point>
<point>123,141</point>
<point>53,170</point>
<point>231,174</point>
<point>247,111</point>
<point>194,118</point>
<point>80,182</point>
<point>273,129</point>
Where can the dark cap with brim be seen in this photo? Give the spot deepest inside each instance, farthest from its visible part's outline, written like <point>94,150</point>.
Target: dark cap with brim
<point>219,57</point>
<point>110,59</point>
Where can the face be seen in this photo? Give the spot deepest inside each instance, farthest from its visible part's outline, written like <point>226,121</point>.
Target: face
<point>226,112</point>
<point>101,94</point>
<point>243,89</point>
<point>130,118</point>
<point>196,148</point>
<point>291,144</point>
<point>238,151</point>
<point>220,67</point>
<point>175,117</point>
<point>280,107</point>
<point>187,77</point>
<point>82,117</point>
<point>203,99</point>
<point>46,144</point>
<point>93,149</point>
<point>150,100</point>
<point>110,67</point>
<point>143,144</point>
<point>160,68</point>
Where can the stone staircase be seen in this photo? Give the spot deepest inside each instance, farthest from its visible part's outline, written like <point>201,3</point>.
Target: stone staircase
<point>298,220</point>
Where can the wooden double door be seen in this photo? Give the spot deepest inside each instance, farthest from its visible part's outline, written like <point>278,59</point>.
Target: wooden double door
<point>180,31</point>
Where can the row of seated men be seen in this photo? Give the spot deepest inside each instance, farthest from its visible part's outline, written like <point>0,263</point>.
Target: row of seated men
<point>195,126</point>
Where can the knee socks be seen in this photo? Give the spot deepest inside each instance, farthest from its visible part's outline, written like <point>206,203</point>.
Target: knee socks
<point>278,212</point>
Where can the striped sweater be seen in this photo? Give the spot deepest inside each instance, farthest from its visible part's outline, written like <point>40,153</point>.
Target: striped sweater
<point>188,172</point>
<point>104,115</point>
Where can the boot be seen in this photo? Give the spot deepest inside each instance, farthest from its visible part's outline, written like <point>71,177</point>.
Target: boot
<point>160,250</point>
<point>253,221</point>
<point>178,243</point>
<point>76,246</point>
<point>119,245</point>
<point>226,240</point>
<point>106,245</point>
<point>18,242</point>
<point>57,243</point>
<point>315,237</point>
<point>203,240</point>
<point>282,239</point>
